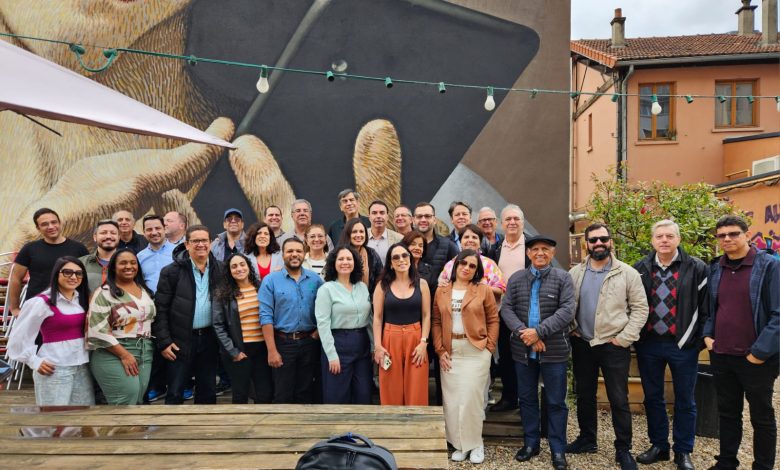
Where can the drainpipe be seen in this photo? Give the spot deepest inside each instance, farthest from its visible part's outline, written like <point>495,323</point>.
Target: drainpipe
<point>622,125</point>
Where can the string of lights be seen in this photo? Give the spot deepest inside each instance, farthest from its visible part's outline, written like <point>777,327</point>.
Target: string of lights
<point>263,85</point>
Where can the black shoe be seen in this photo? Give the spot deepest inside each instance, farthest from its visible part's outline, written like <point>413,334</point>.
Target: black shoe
<point>582,446</point>
<point>559,462</point>
<point>683,461</point>
<point>652,455</point>
<point>625,460</point>
<point>503,405</point>
<point>525,454</point>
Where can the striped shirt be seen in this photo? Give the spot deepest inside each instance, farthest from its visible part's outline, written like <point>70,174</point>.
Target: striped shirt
<point>249,313</point>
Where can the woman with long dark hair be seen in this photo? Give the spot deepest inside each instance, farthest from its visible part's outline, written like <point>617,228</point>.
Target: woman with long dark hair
<point>402,322</point>
<point>119,331</point>
<point>60,366</point>
<point>465,331</point>
<point>236,314</point>
<point>262,249</point>
<point>418,246</point>
<point>343,312</point>
<point>355,235</point>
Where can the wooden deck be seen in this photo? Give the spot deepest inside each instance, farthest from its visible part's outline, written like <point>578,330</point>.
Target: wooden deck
<point>206,436</point>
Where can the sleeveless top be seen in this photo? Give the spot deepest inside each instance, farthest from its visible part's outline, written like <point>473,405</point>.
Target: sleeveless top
<point>403,311</point>
<point>61,327</point>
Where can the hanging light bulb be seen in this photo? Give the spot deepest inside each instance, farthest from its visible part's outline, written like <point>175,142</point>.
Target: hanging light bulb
<point>777,99</point>
<point>615,97</point>
<point>442,88</point>
<point>655,108</point>
<point>262,84</point>
<point>689,99</point>
<point>490,103</point>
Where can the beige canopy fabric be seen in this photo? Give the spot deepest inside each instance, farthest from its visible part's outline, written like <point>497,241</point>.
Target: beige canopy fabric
<point>34,86</point>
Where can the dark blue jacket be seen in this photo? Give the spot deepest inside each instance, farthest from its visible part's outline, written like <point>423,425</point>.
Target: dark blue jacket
<point>764,302</point>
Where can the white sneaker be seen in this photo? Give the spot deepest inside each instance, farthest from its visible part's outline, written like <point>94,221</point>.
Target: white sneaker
<point>459,456</point>
<point>477,455</point>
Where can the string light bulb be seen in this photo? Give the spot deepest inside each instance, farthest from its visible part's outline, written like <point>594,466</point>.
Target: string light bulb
<point>490,103</point>
<point>689,99</point>
<point>388,82</point>
<point>722,99</point>
<point>262,84</point>
<point>329,75</point>
<point>777,100</point>
<point>442,88</point>
<point>533,93</point>
<point>656,107</point>
<point>615,97</point>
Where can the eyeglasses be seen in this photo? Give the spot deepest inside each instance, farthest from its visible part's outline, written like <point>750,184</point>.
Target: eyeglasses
<point>463,262</point>
<point>198,242</point>
<point>486,220</point>
<point>400,256</point>
<point>722,236</point>
<point>603,239</point>
<point>423,216</point>
<point>72,272</point>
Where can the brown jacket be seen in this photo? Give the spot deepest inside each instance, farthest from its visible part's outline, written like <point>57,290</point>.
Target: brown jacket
<point>480,318</point>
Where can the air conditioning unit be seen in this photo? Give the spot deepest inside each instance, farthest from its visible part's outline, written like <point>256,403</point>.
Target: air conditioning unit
<point>766,165</point>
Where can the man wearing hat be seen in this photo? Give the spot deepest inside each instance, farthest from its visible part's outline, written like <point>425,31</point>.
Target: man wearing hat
<point>538,308</point>
<point>232,239</point>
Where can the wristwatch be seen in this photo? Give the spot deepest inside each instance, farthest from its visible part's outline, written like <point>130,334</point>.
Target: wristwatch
<point>424,339</point>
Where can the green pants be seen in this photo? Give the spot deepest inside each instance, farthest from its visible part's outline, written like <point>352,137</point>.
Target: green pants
<point>118,387</point>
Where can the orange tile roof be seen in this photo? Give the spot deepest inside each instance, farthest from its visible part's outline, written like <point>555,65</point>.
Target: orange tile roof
<point>671,47</point>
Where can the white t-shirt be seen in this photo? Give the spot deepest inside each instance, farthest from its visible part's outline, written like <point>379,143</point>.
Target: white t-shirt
<point>457,316</point>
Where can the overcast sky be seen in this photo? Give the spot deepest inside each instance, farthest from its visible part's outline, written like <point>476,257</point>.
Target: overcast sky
<point>590,18</point>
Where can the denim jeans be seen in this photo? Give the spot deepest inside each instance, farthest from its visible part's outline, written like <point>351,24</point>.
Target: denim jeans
<point>554,377</point>
<point>738,380</point>
<point>653,357</point>
<point>68,385</point>
<point>200,361</point>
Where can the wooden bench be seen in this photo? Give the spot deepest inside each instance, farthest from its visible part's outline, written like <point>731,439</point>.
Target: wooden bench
<point>207,436</point>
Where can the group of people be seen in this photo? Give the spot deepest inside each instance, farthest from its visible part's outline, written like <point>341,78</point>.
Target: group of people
<point>292,317</point>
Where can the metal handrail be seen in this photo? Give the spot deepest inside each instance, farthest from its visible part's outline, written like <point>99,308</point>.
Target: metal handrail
<point>7,325</point>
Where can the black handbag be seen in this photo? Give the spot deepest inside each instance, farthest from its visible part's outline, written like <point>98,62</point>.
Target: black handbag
<point>345,452</point>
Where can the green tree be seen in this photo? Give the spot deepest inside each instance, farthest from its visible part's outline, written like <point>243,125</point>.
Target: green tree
<point>631,209</point>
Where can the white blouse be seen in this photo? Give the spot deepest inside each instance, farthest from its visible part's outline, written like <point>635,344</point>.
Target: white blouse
<point>21,341</point>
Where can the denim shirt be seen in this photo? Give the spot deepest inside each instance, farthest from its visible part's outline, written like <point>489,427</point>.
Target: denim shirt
<point>288,304</point>
<point>202,317</point>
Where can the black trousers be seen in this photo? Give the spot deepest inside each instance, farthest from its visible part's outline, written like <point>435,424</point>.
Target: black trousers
<point>737,379</point>
<point>294,381</point>
<point>254,370</point>
<point>158,380</point>
<point>200,361</point>
<point>614,362</point>
<point>506,365</point>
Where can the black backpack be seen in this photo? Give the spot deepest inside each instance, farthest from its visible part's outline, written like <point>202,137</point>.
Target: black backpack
<point>345,452</point>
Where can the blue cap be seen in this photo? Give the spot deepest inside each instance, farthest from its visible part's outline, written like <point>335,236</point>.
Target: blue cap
<point>233,210</point>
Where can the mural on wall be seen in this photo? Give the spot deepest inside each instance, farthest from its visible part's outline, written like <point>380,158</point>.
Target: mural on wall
<point>305,138</point>
<point>766,228</point>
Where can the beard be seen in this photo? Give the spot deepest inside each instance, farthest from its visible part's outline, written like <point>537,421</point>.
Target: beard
<point>600,254</point>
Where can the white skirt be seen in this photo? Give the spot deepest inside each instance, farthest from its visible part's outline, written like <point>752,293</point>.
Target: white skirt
<point>463,392</point>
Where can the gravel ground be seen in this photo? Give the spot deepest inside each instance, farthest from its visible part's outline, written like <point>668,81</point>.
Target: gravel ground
<point>501,457</point>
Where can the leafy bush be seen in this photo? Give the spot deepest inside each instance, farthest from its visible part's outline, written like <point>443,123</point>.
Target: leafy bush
<point>630,209</point>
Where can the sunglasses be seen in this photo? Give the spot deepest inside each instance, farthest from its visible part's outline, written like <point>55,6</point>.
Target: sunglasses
<point>399,256</point>
<point>463,262</point>
<point>72,272</point>
<point>722,236</point>
<point>603,239</point>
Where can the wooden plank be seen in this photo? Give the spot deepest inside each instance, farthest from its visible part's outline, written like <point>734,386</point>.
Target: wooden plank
<point>266,409</point>
<point>211,446</point>
<point>320,431</point>
<point>405,460</point>
<point>372,410</point>
<point>357,420</point>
